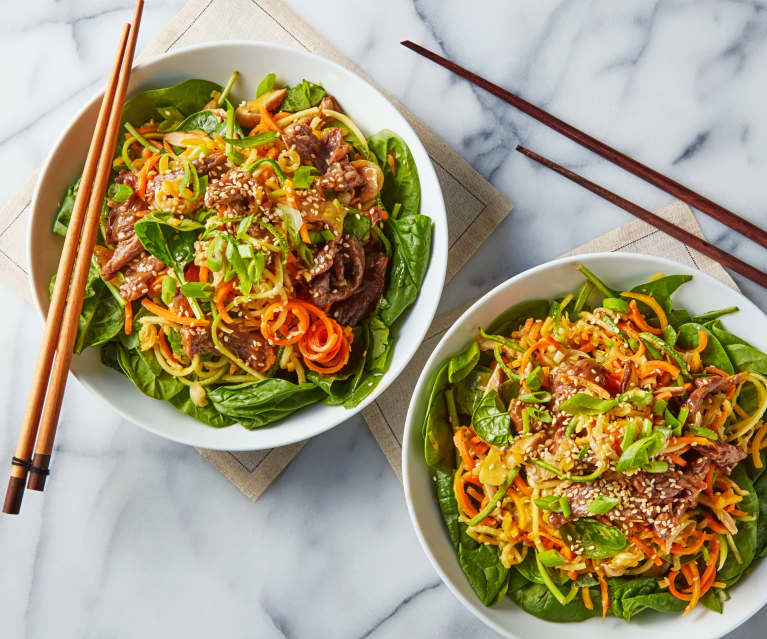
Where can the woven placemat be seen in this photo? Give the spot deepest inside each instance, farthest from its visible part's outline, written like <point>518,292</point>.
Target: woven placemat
<point>474,207</point>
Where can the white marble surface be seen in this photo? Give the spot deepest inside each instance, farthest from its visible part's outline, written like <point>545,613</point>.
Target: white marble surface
<point>140,536</point>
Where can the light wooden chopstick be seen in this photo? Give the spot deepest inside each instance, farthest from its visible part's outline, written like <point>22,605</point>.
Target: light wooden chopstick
<point>44,402</point>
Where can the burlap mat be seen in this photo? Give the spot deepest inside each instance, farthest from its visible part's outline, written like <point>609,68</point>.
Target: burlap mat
<point>474,207</point>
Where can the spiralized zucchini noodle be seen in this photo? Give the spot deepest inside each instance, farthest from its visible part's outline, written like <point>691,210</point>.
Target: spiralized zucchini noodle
<point>592,443</point>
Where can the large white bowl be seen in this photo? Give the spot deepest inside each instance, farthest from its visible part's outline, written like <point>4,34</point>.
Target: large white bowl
<point>215,61</point>
<point>550,280</point>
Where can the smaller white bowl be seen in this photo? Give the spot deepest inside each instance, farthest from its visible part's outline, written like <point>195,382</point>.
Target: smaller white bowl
<point>550,280</point>
<point>215,61</point>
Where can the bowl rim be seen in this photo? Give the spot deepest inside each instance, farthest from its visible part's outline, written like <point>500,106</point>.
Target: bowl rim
<point>409,439</point>
<point>437,212</point>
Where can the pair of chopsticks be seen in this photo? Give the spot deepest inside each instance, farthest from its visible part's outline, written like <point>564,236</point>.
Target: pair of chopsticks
<point>643,171</point>
<point>41,416</point>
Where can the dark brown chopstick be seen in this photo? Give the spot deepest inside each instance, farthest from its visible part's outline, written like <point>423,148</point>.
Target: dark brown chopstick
<point>643,171</point>
<point>714,252</point>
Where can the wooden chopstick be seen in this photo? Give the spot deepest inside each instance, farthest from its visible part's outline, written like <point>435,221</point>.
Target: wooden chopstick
<point>714,252</point>
<point>92,188</point>
<point>38,470</point>
<point>643,171</point>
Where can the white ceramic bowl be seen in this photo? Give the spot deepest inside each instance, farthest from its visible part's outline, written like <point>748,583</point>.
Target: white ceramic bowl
<point>215,61</point>
<point>550,280</point>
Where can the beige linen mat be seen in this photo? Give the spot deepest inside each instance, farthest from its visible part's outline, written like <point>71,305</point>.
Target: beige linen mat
<point>473,206</point>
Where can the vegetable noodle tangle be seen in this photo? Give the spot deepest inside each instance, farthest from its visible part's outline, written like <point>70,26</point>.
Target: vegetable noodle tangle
<point>244,268</point>
<point>603,458</point>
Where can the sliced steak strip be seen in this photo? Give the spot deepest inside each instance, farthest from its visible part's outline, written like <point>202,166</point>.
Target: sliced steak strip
<point>343,278</point>
<point>564,382</point>
<point>361,303</point>
<point>124,254</point>
<point>708,385</point>
<point>320,152</point>
<point>139,274</point>
<point>654,499</point>
<point>249,346</point>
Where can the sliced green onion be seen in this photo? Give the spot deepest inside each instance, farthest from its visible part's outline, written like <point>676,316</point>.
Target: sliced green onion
<point>227,88</point>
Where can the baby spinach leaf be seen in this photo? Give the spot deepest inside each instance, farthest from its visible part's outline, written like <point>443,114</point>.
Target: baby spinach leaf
<point>380,348</point>
<point>206,414</point>
<point>147,375</point>
<point>440,384</point>
<point>266,85</point>
<point>356,224</point>
<point>63,215</point>
<point>514,316</point>
<point>169,245</point>
<point>469,391</point>
<point>491,422</point>
<point>439,450</point>
<point>661,289</point>
<point>745,357</point>
<point>746,537</point>
<point>598,540</point>
<point>206,121</point>
<point>479,562</point>
<point>256,404</point>
<point>760,488</point>
<point>188,97</point>
<point>462,364</point>
<point>302,96</point>
<point>585,404</point>
<point>538,600</point>
<point>403,186</point>
<point>411,239</point>
<point>714,353</point>
<point>630,596</point>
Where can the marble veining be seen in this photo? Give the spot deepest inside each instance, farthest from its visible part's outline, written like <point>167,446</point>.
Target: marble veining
<point>138,536</point>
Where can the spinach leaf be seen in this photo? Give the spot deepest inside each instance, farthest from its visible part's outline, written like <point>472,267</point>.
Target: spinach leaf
<point>714,353</point>
<point>64,214</point>
<point>660,289</point>
<point>266,85</point>
<point>746,537</point>
<point>440,384</point>
<point>380,347</point>
<point>188,97</point>
<point>302,96</point>
<point>462,364</point>
<point>598,540</point>
<point>760,488</point>
<point>357,224</point>
<point>528,568</point>
<point>480,563</point>
<point>585,404</point>
<point>403,186</point>
<point>206,414</point>
<point>169,245</point>
<point>491,422</point>
<point>630,596</point>
<point>470,390</point>
<point>439,450</point>
<point>144,371</point>
<point>411,238</point>
<point>101,317</point>
<point>203,121</point>
<point>256,404</point>
<point>747,358</point>
<point>538,600</point>
<point>513,317</point>
<point>340,386</point>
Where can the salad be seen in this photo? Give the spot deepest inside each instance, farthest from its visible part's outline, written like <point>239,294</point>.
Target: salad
<point>253,259</point>
<point>602,459</point>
